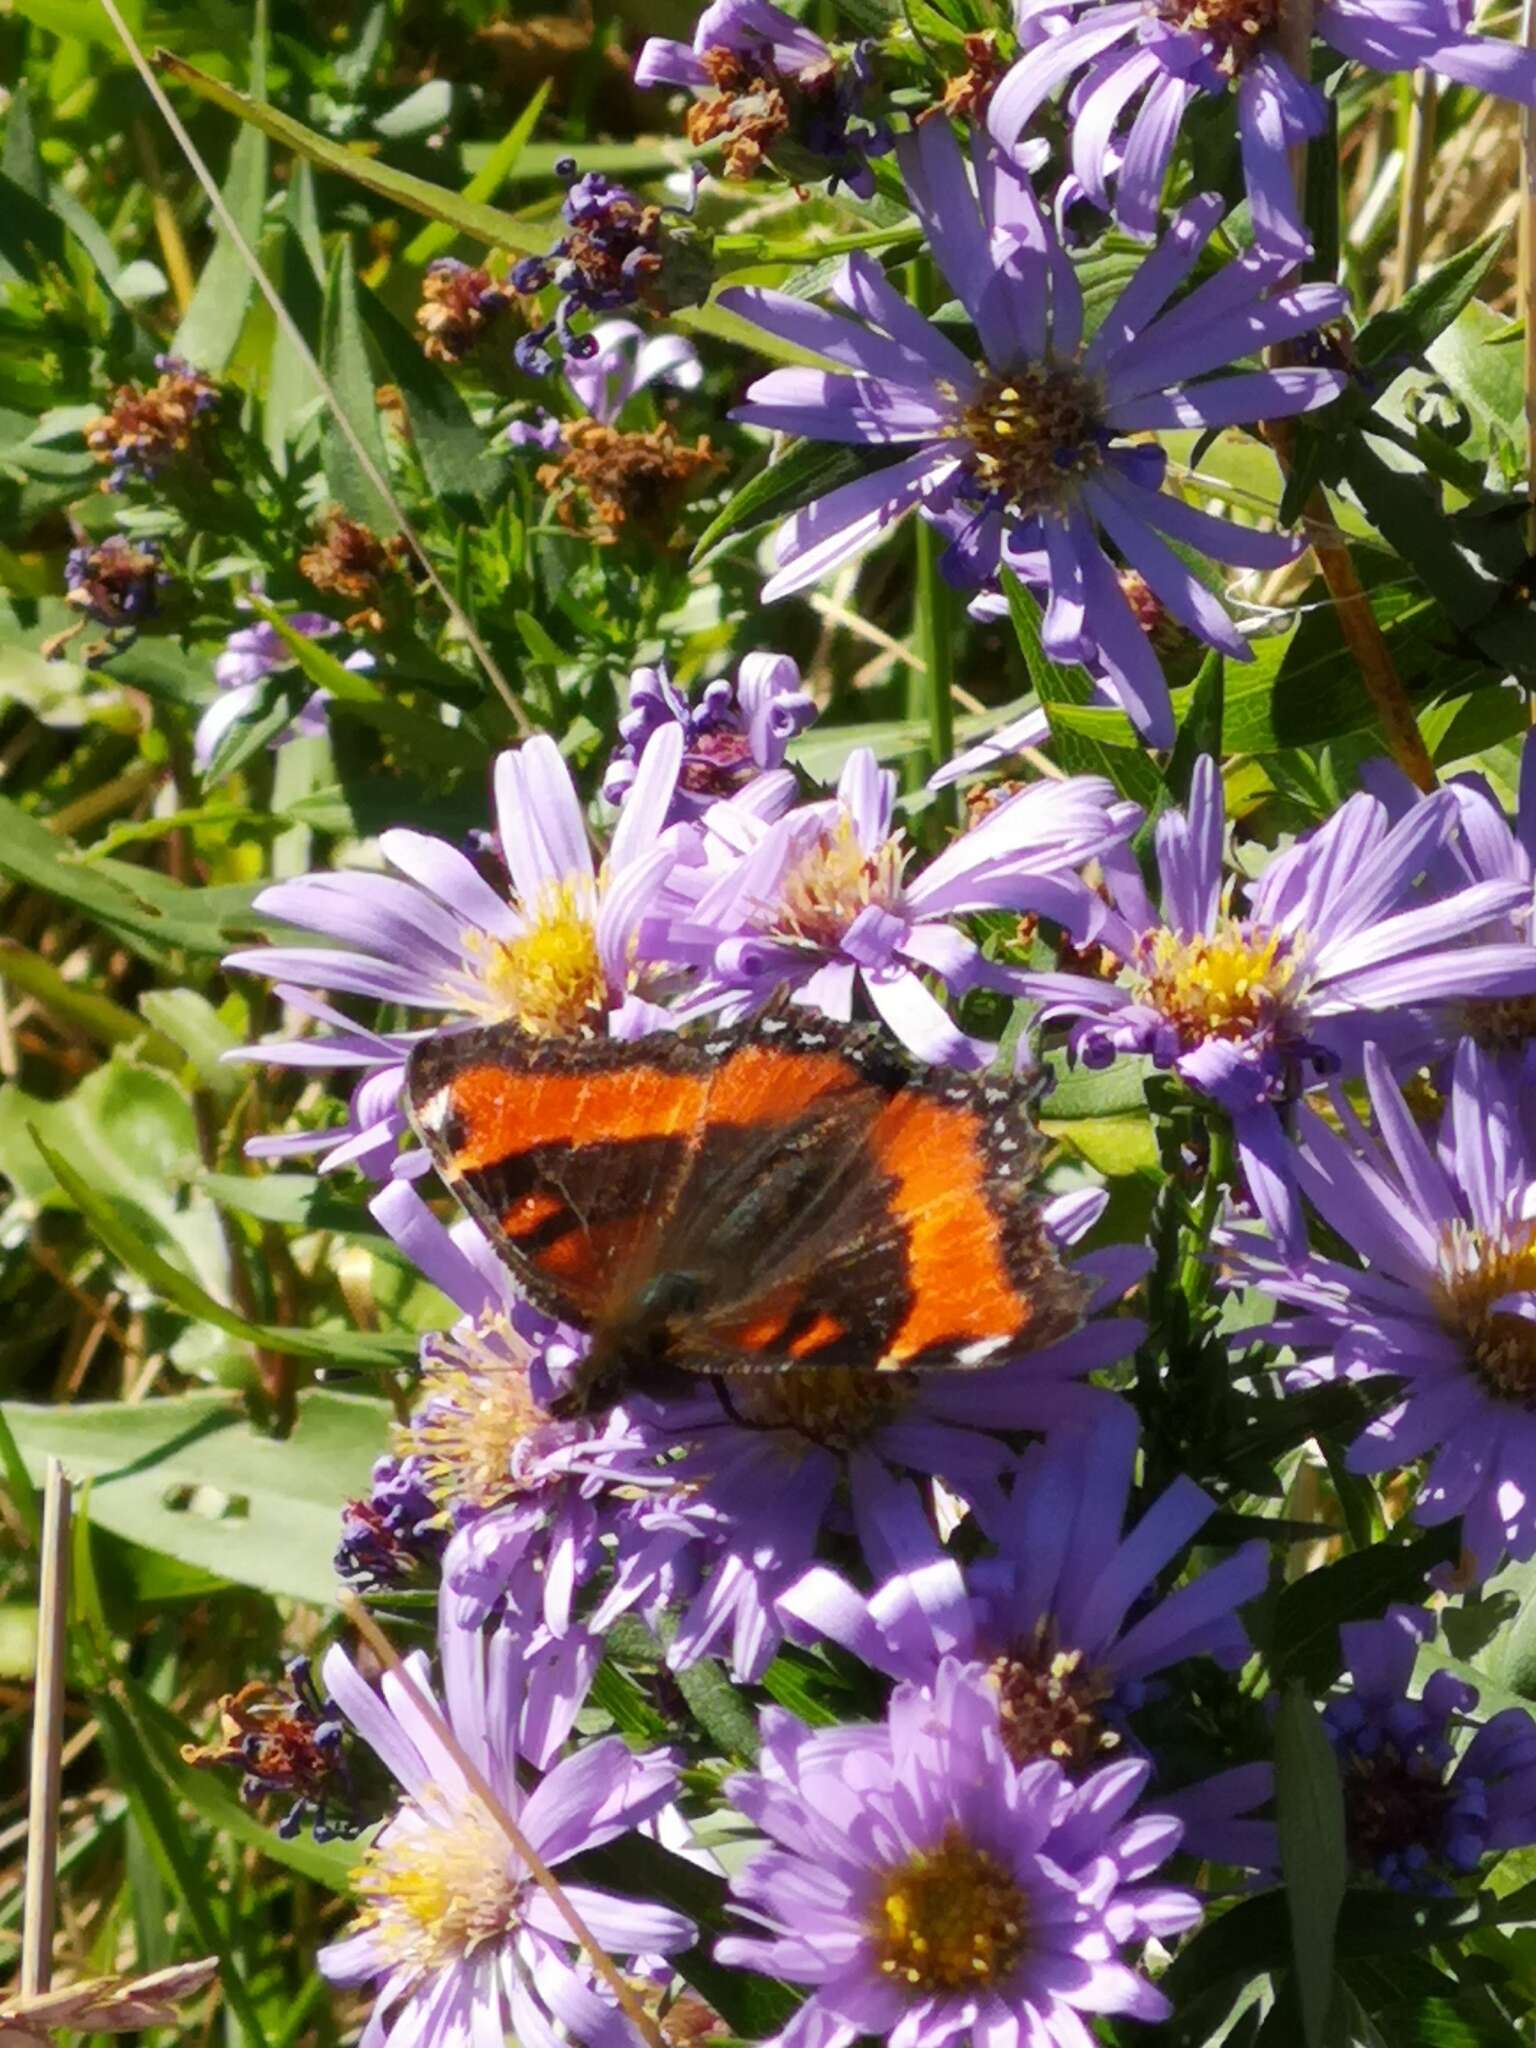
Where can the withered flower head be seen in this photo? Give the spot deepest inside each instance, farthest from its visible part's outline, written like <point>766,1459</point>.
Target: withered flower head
<point>147,428</point>
<point>606,481</point>
<point>968,94</point>
<point>458,304</point>
<point>349,560</point>
<point>289,1743</point>
<point>116,582</point>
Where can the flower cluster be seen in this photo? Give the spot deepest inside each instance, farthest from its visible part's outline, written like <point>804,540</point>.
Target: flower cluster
<point>117,582</point>
<point>147,427</point>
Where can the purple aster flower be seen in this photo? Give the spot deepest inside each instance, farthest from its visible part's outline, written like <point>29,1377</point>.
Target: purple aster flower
<point>732,732</point>
<point>927,1887</point>
<point>117,582</point>
<point>1445,1304</point>
<point>770,89</point>
<point>1057,1613</point>
<point>459,1938</point>
<point>756,1478</point>
<point>252,654</point>
<point>820,901</point>
<point>617,252</point>
<point>1421,1810</point>
<point>555,953</point>
<point>1139,68</point>
<point>1249,1006</point>
<point>1024,457</point>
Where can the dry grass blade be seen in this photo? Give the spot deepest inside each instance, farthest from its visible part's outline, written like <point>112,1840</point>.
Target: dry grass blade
<point>291,330</point>
<point>47,1737</point>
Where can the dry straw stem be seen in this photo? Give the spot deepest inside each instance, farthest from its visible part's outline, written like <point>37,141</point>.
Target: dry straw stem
<point>290,328</point>
<point>1357,622</point>
<point>47,1737</point>
<point>538,1869</point>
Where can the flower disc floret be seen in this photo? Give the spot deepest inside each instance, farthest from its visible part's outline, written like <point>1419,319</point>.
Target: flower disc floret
<point>950,1918</point>
<point>549,979</point>
<point>1481,1272</point>
<point>1031,432</point>
<point>1051,1701</point>
<point>834,879</point>
<point>431,1896</point>
<point>1232,982</point>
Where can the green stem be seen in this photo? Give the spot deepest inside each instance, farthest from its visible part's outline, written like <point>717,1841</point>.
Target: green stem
<point>930,693</point>
<point>1194,1267</point>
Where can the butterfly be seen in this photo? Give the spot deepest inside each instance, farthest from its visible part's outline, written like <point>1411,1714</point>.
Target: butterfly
<point>777,1197</point>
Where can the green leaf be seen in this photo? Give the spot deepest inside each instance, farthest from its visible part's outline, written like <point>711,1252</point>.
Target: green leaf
<point>453,451</point>
<point>498,166</point>
<point>132,1249</point>
<point>1424,312</point>
<point>1065,694</point>
<point>806,470</point>
<point>211,326</point>
<point>344,359</point>
<point>1114,1145</point>
<point>1352,1588</point>
<point>715,1703</point>
<point>192,1477</point>
<point>278,700</point>
<point>320,668</point>
<point>190,1021</point>
<point>1309,1810</point>
<point>485,225</point>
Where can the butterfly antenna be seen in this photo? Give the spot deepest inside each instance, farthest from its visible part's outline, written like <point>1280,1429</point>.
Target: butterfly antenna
<point>294,335</point>
<point>606,1968</point>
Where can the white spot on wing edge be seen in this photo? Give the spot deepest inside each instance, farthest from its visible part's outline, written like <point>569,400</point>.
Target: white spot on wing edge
<point>433,1111</point>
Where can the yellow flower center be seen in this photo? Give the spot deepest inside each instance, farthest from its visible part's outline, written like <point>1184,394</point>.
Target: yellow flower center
<point>834,1405</point>
<point>1049,1701</point>
<point>549,979</point>
<point>1230,983</point>
<point>834,880</point>
<point>1477,1270</point>
<point>474,1409</point>
<point>1032,432</point>
<point>432,1894</point>
<point>950,1918</point>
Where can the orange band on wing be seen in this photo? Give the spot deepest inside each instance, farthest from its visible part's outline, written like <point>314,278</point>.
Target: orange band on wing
<point>529,1211</point>
<point>825,1330</point>
<point>503,1113</point>
<point>957,1274</point>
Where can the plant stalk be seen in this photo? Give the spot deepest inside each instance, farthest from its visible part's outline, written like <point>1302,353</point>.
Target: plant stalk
<point>1418,158</point>
<point>47,1737</point>
<point>1357,622</point>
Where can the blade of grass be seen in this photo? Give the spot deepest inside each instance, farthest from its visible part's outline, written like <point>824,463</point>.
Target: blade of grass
<point>47,1737</point>
<point>494,172</point>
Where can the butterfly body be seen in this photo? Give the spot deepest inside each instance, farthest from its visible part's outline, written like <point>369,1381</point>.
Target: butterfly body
<point>780,1197</point>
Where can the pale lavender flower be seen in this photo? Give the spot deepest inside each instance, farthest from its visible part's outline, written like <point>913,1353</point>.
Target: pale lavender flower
<point>1249,1005</point>
<point>1422,1810</point>
<point>927,1888</point>
<point>1058,1611</point>
<point>1445,1306</point>
<point>250,655</point>
<point>733,732</point>
<point>459,1938</point>
<point>1025,458</point>
<point>1138,71</point>
<point>623,362</point>
<point>554,952</point>
<point>819,900</point>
